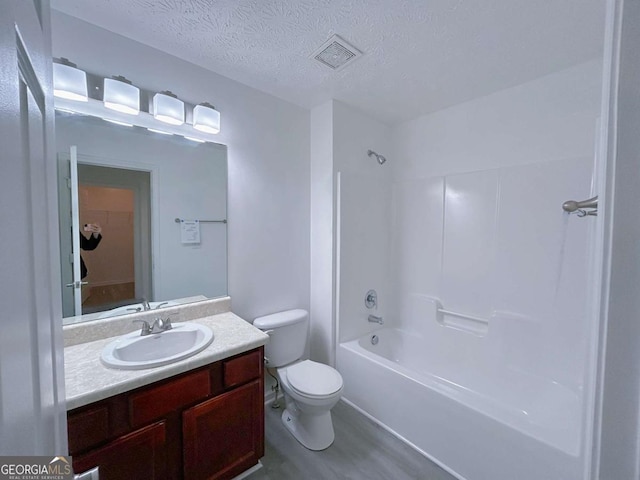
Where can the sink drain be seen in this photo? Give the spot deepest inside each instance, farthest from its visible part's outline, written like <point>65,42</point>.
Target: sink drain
<point>374,339</point>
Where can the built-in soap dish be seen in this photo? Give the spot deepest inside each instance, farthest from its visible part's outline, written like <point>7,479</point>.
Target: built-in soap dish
<point>473,324</point>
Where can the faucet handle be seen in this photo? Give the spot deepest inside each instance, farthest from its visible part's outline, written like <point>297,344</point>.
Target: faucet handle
<point>371,299</point>
<point>146,328</point>
<point>161,305</point>
<point>161,325</point>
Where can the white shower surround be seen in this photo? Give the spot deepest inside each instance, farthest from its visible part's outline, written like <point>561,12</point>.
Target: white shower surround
<point>471,221</point>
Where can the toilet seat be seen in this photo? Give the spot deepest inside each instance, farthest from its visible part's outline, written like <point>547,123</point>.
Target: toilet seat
<point>313,379</point>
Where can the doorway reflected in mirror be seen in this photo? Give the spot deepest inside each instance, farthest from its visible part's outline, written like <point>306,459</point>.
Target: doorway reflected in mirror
<point>110,268</point>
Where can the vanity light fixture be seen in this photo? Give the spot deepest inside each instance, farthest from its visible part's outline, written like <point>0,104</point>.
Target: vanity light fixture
<point>68,81</point>
<point>206,118</point>
<point>120,95</point>
<point>119,103</point>
<point>168,108</point>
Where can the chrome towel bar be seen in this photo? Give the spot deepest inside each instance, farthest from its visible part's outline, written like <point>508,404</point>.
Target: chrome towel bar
<point>178,220</point>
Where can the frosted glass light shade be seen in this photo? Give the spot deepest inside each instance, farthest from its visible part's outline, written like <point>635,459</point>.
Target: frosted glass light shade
<point>168,108</point>
<point>121,96</point>
<point>206,118</point>
<point>69,82</point>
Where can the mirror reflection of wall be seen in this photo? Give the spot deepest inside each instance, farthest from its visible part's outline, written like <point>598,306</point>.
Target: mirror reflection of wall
<point>186,180</point>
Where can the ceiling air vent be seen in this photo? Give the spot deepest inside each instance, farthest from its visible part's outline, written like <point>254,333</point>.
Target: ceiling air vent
<point>335,53</point>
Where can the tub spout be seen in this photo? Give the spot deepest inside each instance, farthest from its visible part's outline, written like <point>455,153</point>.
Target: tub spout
<point>375,319</point>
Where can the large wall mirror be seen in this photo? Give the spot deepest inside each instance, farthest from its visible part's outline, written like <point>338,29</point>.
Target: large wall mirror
<point>158,205</point>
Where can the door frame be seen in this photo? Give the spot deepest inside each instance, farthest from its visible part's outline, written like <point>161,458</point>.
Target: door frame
<point>615,446</point>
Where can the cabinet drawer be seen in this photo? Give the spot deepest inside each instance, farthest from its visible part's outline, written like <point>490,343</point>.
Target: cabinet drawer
<point>88,428</point>
<point>242,369</point>
<point>158,401</point>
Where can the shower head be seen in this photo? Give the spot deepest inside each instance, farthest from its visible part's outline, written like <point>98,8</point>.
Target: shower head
<point>379,157</point>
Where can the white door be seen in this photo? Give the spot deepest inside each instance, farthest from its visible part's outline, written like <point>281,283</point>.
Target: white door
<point>32,406</point>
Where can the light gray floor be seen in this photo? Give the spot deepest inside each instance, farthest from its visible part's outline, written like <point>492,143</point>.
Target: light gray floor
<point>361,450</point>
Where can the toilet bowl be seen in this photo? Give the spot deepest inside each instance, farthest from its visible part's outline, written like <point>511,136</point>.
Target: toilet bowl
<point>311,389</point>
<point>309,402</point>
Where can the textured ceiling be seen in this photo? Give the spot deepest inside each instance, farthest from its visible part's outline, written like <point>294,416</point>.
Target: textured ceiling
<point>419,55</point>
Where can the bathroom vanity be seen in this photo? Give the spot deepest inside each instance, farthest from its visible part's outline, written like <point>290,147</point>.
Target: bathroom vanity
<point>199,418</point>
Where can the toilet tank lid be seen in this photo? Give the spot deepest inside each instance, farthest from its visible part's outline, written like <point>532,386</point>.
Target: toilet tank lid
<point>280,319</point>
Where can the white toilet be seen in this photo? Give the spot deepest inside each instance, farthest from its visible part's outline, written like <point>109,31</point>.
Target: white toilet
<point>310,389</point>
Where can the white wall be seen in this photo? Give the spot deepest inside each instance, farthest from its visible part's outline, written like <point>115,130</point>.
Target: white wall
<point>268,157</point>
<point>364,217</point>
<point>340,139</point>
<point>547,119</point>
<point>322,301</point>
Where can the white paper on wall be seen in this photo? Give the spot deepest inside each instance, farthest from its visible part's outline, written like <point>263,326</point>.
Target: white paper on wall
<point>190,231</point>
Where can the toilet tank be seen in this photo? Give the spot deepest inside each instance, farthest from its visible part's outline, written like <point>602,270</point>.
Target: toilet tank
<point>287,336</point>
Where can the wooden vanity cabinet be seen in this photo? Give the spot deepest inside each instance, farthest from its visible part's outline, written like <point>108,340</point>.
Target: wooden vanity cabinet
<point>140,454</point>
<point>223,434</point>
<point>204,424</point>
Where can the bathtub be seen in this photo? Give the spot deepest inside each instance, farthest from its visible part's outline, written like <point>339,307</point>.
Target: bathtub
<point>476,420</point>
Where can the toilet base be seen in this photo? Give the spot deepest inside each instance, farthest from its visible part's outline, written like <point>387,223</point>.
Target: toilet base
<point>314,432</point>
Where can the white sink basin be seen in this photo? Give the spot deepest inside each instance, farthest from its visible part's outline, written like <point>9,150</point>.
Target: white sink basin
<point>134,352</point>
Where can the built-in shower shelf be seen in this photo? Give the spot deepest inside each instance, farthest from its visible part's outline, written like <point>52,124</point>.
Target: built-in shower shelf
<point>461,321</point>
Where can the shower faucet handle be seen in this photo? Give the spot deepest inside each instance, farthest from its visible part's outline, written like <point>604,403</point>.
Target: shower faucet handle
<point>371,299</point>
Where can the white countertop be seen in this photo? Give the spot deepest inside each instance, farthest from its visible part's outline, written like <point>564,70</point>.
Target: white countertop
<point>88,380</point>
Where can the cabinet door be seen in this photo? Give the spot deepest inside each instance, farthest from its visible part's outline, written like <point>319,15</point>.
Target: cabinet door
<point>140,454</point>
<point>224,436</point>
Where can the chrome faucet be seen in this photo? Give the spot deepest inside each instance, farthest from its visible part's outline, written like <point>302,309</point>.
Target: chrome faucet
<point>145,305</point>
<point>159,326</point>
<point>375,319</point>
